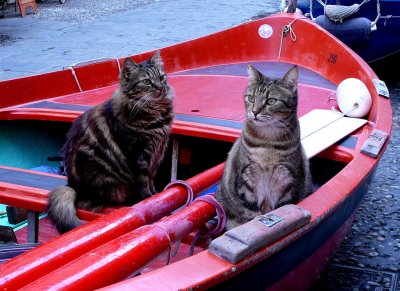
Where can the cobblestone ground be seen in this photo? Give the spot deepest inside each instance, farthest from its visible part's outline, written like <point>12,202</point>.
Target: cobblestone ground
<point>369,258</point>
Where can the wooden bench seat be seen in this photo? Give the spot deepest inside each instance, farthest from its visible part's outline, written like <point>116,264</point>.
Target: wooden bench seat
<point>29,190</point>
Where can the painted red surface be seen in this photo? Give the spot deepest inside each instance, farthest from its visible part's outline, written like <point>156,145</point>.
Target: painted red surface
<point>91,97</point>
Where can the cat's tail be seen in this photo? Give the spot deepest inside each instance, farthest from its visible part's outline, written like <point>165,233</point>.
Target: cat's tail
<point>61,209</point>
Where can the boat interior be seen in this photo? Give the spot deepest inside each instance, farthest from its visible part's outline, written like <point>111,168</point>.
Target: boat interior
<point>204,129</point>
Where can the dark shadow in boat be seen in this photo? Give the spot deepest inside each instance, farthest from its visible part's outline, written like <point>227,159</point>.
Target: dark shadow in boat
<point>9,247</point>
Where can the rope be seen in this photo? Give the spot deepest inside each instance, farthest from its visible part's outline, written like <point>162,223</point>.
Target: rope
<point>340,12</point>
<point>118,64</point>
<point>311,9</point>
<point>75,77</point>
<point>378,15</point>
<point>169,240</point>
<point>209,198</point>
<point>190,194</point>
<point>285,30</point>
<point>73,66</point>
<point>388,17</point>
<point>207,232</point>
<point>204,232</point>
<point>340,115</point>
<point>190,197</point>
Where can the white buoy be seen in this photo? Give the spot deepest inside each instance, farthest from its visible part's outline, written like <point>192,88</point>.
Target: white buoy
<point>353,98</point>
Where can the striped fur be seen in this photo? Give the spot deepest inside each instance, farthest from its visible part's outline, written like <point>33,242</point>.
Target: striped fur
<point>112,151</point>
<point>266,167</point>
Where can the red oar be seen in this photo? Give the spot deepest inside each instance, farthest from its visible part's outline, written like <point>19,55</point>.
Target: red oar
<point>48,257</point>
<point>126,254</point>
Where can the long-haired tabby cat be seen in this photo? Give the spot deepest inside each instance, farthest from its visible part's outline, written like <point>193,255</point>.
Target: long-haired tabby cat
<point>266,167</point>
<point>113,150</point>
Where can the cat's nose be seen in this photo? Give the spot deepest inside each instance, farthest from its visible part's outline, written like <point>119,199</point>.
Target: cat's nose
<point>255,112</point>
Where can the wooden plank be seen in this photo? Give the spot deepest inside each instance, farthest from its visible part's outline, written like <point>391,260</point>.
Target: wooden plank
<point>322,128</point>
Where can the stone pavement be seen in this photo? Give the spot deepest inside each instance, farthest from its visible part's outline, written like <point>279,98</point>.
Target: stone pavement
<point>81,30</point>
<point>34,44</point>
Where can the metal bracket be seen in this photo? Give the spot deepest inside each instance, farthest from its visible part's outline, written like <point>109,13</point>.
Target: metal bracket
<point>270,219</point>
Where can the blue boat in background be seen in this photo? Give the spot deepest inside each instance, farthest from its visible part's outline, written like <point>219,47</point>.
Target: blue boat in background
<point>370,27</point>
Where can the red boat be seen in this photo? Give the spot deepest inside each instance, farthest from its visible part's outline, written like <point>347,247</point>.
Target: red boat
<point>127,248</point>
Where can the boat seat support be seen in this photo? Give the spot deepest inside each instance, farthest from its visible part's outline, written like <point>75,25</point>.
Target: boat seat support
<point>33,226</point>
<point>175,157</point>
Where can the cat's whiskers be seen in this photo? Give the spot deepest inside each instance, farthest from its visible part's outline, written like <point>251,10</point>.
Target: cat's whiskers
<point>139,105</point>
<point>135,109</point>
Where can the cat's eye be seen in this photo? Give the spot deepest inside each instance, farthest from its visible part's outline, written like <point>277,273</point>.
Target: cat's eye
<point>250,98</point>
<point>271,101</point>
<point>146,81</point>
<point>163,78</point>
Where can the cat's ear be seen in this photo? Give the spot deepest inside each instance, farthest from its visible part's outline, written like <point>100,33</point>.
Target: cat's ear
<point>289,81</point>
<point>254,75</point>
<point>156,60</point>
<point>128,67</point>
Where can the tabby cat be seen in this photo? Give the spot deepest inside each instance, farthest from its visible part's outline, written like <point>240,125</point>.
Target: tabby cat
<point>113,150</point>
<point>266,167</point>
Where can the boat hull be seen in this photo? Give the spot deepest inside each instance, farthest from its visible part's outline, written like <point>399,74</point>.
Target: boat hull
<point>209,76</point>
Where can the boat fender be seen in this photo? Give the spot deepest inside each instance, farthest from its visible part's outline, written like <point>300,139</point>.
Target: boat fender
<point>354,32</point>
<point>353,98</point>
<point>246,239</point>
